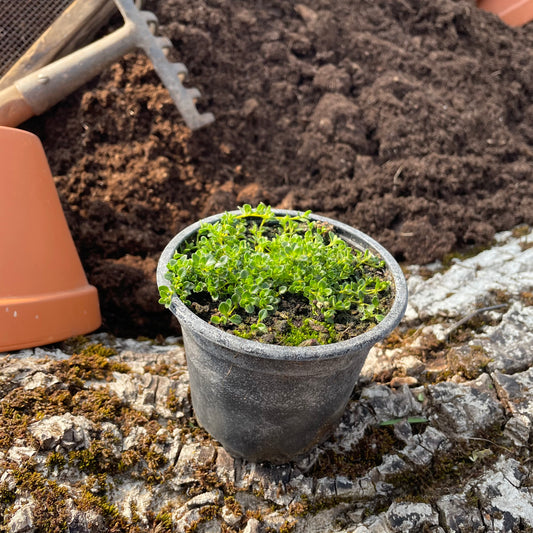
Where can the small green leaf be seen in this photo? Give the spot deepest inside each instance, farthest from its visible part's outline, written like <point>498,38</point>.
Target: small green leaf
<point>225,307</point>
<point>262,315</point>
<point>211,262</point>
<point>223,261</point>
<point>391,422</point>
<point>235,319</point>
<point>417,419</point>
<point>259,326</point>
<point>164,290</point>
<point>200,287</point>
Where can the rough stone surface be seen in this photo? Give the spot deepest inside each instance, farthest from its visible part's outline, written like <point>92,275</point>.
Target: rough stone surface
<point>119,448</point>
<point>514,390</point>
<point>411,516</point>
<point>506,505</point>
<point>252,526</point>
<point>22,520</point>
<point>463,409</point>
<point>470,282</point>
<point>70,432</point>
<point>509,343</point>
<point>458,516</point>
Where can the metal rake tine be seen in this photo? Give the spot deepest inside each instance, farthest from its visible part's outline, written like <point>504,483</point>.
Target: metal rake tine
<point>151,20</point>
<point>38,91</point>
<point>180,70</point>
<point>170,74</point>
<point>165,44</point>
<point>194,93</point>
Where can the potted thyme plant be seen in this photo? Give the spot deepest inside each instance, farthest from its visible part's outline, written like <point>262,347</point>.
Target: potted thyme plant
<point>278,310</point>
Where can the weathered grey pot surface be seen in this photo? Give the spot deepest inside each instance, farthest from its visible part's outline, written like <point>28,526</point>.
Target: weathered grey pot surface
<point>265,402</point>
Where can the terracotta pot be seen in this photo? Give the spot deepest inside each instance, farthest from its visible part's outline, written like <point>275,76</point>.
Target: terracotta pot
<point>44,294</point>
<point>512,12</point>
<point>265,402</point>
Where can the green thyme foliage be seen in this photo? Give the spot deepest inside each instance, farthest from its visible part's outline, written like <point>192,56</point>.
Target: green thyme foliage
<point>248,261</point>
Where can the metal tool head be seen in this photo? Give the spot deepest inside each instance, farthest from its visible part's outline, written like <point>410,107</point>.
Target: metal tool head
<point>38,90</point>
<point>143,23</point>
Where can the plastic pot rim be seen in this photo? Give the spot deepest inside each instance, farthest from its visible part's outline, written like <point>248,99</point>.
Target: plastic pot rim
<point>188,318</point>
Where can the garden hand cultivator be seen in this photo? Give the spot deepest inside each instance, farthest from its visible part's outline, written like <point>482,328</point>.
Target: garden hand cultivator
<point>36,92</point>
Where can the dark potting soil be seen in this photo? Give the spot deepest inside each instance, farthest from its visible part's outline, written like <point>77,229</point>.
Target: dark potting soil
<point>304,328</point>
<point>410,120</point>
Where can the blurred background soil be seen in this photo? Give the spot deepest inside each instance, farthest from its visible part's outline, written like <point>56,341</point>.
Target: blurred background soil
<point>410,120</point>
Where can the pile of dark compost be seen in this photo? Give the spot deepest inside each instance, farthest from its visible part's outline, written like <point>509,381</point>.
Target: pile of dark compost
<point>410,120</point>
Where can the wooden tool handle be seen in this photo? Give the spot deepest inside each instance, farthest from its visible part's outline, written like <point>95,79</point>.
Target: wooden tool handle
<point>40,90</point>
<point>13,107</point>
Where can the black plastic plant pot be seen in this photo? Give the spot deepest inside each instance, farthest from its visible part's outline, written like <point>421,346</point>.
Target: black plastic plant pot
<point>265,402</point>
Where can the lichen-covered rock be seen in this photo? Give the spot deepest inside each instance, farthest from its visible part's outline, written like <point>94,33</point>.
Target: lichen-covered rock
<point>132,498</point>
<point>463,409</point>
<point>504,503</point>
<point>518,430</point>
<point>360,489</point>
<point>22,520</point>
<point>213,497</point>
<point>20,454</point>
<point>458,516</point>
<point>77,522</point>
<point>191,458</point>
<point>186,520</point>
<point>321,521</point>
<point>420,450</point>
<point>145,464</point>
<point>325,488</point>
<point>252,526</point>
<point>230,516</point>
<point>134,437</point>
<point>271,480</point>
<point>225,465</point>
<point>274,520</point>
<point>141,356</point>
<point>146,392</point>
<point>514,391</point>
<point>351,429</point>
<point>39,379</point>
<point>469,283</point>
<point>68,431</point>
<point>16,371</point>
<point>509,343</point>
<point>300,485</point>
<point>407,517</point>
<point>390,465</point>
<point>387,404</point>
